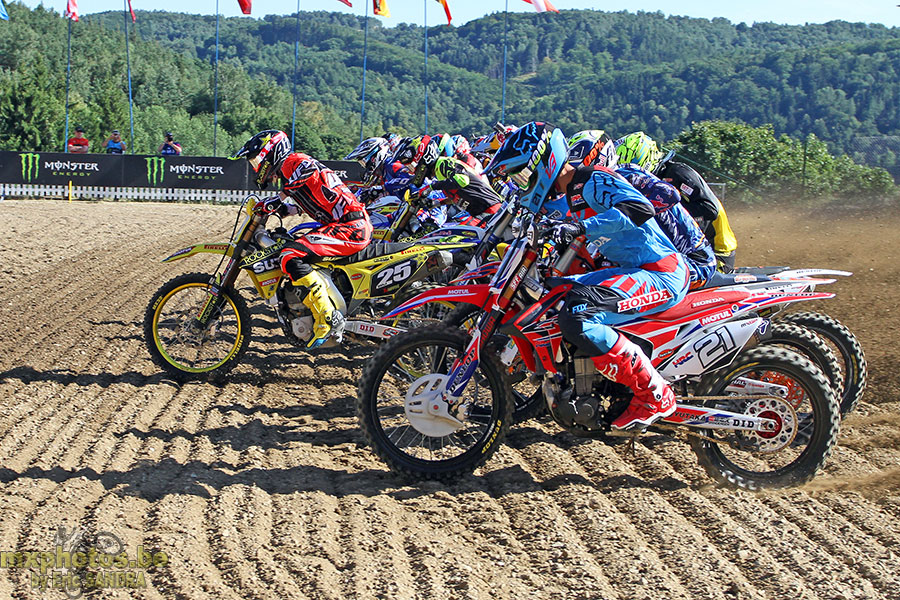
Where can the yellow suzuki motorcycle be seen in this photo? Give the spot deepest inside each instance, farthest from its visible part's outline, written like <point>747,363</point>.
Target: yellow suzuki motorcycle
<point>198,324</point>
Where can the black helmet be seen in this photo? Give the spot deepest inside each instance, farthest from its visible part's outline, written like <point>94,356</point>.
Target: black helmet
<point>266,151</point>
<point>371,155</point>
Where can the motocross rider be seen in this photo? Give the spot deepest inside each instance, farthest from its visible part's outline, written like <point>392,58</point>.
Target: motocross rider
<point>635,152</point>
<point>310,187</point>
<point>704,206</point>
<point>463,186</point>
<point>399,169</point>
<point>637,155</point>
<point>371,154</point>
<point>651,276</point>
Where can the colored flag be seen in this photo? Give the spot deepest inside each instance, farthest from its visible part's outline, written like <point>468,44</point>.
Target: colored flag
<point>72,10</point>
<point>542,5</point>
<point>245,6</point>
<point>381,8</point>
<point>3,14</point>
<point>131,10</point>
<point>347,2</point>
<point>446,9</point>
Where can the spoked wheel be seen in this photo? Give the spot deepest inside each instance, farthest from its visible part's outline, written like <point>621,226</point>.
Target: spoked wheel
<point>847,348</point>
<point>806,343</point>
<point>182,347</point>
<point>527,396</point>
<point>800,401</point>
<point>399,389</point>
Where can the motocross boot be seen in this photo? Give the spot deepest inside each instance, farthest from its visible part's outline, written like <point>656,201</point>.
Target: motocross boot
<point>653,399</point>
<point>316,299</point>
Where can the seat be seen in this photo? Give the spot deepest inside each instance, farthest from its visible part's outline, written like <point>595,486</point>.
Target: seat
<point>373,250</point>
<point>700,301</point>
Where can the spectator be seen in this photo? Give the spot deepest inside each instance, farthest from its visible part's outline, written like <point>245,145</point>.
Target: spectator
<point>169,147</point>
<point>114,143</point>
<point>78,144</point>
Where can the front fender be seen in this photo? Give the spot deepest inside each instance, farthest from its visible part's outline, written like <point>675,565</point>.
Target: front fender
<point>226,249</point>
<point>466,294</point>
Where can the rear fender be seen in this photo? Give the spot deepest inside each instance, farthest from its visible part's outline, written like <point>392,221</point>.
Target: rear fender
<point>465,294</point>
<point>227,249</point>
<point>762,300</point>
<point>805,273</point>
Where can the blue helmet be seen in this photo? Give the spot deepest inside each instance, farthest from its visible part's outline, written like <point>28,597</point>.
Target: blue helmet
<point>533,158</point>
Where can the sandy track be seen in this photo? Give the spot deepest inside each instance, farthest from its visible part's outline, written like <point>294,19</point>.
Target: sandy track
<point>259,487</point>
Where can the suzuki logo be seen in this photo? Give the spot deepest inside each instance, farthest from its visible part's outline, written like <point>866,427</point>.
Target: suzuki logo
<point>30,166</point>
<point>155,169</point>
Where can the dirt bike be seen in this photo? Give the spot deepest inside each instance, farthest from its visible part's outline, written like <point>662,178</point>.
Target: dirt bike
<point>435,402</point>
<point>198,324</point>
<point>818,337</point>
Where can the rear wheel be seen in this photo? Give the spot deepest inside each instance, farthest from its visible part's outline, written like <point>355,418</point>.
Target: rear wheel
<point>179,344</point>
<point>847,348</point>
<point>805,410</point>
<point>806,343</point>
<point>404,374</point>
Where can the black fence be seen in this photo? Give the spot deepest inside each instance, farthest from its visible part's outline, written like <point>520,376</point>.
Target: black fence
<point>126,170</point>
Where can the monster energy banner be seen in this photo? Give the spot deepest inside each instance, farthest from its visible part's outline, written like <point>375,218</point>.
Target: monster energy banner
<point>58,169</point>
<point>195,172</point>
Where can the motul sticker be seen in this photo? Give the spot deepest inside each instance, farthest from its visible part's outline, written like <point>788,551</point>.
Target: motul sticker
<point>657,297</point>
<point>744,278</point>
<point>688,190</point>
<point>268,281</point>
<point>722,314</point>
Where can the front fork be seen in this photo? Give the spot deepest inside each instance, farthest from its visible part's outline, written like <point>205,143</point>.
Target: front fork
<point>226,279</point>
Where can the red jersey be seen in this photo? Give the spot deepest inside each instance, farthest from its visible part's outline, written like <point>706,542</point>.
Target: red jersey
<point>318,191</point>
<point>82,141</point>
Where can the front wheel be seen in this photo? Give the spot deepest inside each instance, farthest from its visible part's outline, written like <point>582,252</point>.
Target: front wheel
<point>401,376</point>
<point>176,341</point>
<point>528,398</point>
<point>805,410</point>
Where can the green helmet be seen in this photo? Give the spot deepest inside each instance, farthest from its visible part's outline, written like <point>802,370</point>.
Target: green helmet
<point>638,148</point>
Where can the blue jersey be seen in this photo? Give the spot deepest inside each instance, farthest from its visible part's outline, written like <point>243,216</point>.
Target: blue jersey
<point>114,147</point>
<point>613,201</point>
<point>674,220</point>
<point>397,178</point>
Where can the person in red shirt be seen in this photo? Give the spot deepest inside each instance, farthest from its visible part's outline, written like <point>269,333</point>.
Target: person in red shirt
<point>310,187</point>
<point>78,144</point>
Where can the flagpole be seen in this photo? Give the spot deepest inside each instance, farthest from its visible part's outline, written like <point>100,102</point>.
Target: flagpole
<point>68,72</point>
<point>128,62</point>
<point>362,112</point>
<point>505,32</point>
<point>425,4</point>
<point>296,66</point>
<point>216,85</point>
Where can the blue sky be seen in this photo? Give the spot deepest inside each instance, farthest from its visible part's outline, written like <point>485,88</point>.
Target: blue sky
<point>795,12</point>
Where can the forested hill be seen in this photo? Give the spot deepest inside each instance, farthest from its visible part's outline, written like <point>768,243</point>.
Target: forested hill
<point>579,69</point>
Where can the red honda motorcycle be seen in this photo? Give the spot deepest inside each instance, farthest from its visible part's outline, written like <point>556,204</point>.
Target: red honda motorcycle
<point>436,402</point>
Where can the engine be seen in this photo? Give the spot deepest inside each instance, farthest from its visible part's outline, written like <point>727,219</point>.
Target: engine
<point>296,320</point>
<point>585,401</point>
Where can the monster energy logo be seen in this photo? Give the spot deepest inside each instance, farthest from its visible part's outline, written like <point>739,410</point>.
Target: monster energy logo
<point>30,166</point>
<point>155,169</point>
